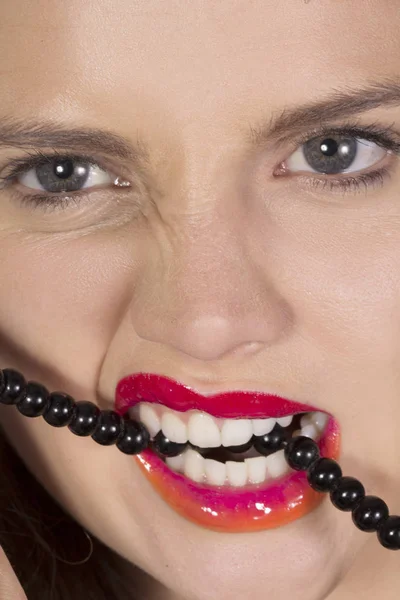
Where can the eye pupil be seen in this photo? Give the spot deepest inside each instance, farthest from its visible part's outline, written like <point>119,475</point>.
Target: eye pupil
<point>329,147</point>
<point>63,168</point>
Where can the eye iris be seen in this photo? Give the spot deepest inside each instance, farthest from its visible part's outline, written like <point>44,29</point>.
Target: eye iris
<point>62,175</point>
<point>329,156</point>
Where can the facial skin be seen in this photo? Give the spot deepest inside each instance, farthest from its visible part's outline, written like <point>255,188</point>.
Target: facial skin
<point>209,269</point>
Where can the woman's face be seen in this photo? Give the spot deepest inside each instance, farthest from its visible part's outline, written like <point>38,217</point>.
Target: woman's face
<point>220,257</point>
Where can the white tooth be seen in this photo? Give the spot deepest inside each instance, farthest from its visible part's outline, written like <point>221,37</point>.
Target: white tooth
<point>237,473</point>
<point>310,431</point>
<point>193,465</point>
<point>319,419</point>
<point>236,432</point>
<point>305,420</point>
<point>203,431</point>
<point>256,469</point>
<point>215,471</point>
<point>285,421</point>
<point>176,463</point>
<point>149,418</point>
<point>263,426</point>
<point>276,464</point>
<point>173,428</point>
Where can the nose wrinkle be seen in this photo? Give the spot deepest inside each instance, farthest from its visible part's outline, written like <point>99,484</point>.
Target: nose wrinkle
<point>207,312</point>
<point>207,297</point>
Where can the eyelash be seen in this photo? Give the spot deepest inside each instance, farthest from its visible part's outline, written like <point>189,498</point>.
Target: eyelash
<point>383,137</point>
<point>386,138</point>
<point>49,202</point>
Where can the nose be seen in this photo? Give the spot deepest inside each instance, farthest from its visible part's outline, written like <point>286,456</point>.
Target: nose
<point>209,295</point>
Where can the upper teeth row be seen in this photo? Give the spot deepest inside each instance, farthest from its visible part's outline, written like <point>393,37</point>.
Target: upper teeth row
<point>205,431</point>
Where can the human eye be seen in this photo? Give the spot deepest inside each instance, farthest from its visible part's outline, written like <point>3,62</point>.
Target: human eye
<point>55,180</point>
<point>345,158</point>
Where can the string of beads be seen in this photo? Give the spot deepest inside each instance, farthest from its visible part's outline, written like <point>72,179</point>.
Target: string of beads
<point>107,427</point>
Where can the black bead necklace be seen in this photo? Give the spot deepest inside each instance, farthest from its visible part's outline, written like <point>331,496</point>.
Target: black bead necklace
<point>107,427</point>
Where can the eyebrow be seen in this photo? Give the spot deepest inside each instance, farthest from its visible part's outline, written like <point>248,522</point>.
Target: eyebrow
<point>341,104</point>
<point>33,134</point>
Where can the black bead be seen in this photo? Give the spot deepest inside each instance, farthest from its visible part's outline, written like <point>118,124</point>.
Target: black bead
<point>347,494</point>
<point>164,446</point>
<point>324,474</point>
<point>272,441</point>
<point>14,387</point>
<point>34,401</point>
<point>110,428</point>
<point>135,439</point>
<point>389,533</point>
<point>370,512</point>
<point>301,452</point>
<point>242,448</point>
<point>60,409</point>
<point>85,419</point>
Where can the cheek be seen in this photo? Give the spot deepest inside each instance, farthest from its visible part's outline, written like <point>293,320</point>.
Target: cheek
<point>343,278</point>
<point>62,304</point>
<point>340,272</point>
<point>62,299</point>
<point>356,301</point>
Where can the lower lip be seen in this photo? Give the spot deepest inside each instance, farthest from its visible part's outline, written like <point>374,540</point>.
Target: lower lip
<point>226,509</point>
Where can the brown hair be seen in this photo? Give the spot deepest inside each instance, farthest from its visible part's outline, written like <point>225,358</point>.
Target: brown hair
<point>35,530</point>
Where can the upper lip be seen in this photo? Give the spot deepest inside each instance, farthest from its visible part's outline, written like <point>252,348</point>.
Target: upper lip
<point>148,387</point>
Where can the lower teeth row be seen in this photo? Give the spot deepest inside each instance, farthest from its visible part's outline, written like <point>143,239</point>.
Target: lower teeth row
<point>236,474</point>
<point>253,470</point>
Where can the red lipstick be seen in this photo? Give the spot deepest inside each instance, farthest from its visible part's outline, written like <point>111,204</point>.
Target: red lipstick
<point>145,387</point>
<point>273,503</point>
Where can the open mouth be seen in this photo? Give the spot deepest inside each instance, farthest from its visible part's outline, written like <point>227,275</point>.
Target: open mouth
<point>225,452</point>
<point>219,460</point>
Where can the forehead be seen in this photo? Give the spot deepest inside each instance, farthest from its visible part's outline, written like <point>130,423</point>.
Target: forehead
<point>127,61</point>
